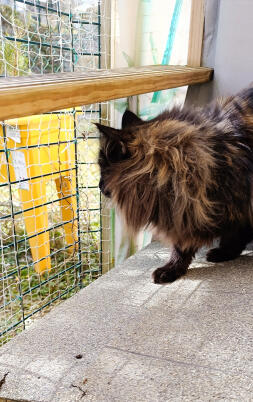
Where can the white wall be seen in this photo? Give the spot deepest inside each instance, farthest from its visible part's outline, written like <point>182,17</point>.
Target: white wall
<point>227,48</point>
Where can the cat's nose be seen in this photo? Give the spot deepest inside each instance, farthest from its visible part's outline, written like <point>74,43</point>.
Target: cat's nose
<point>103,189</point>
<point>101,184</point>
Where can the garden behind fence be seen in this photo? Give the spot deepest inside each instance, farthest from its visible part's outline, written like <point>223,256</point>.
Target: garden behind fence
<point>54,227</point>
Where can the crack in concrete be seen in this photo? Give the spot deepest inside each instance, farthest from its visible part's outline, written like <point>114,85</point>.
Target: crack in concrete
<point>183,363</point>
<point>2,381</point>
<point>80,389</point>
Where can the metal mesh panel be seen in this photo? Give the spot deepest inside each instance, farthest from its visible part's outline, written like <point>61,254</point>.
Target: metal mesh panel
<point>54,229</point>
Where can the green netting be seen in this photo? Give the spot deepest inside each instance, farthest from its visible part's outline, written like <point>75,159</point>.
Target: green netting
<point>53,229</point>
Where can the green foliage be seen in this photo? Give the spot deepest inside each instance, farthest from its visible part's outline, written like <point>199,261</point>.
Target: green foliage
<point>64,278</point>
<point>13,59</point>
<point>18,55</point>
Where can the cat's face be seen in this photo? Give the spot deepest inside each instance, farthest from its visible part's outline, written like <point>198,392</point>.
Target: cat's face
<point>114,148</point>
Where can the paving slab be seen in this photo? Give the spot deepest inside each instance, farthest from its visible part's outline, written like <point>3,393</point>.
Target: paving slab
<point>187,341</point>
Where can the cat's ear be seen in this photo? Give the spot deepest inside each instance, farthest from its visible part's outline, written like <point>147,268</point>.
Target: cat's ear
<point>130,119</point>
<point>109,132</point>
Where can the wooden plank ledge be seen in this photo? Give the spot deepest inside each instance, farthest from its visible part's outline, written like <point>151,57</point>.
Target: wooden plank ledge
<point>36,94</point>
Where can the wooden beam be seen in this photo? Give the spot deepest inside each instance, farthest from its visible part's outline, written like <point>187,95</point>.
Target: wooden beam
<point>36,94</point>
<point>196,33</point>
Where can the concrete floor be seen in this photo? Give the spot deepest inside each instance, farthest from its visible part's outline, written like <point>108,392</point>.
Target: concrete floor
<point>188,341</point>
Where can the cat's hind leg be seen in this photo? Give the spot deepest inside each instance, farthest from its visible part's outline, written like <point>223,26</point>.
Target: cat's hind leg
<point>175,268</point>
<point>232,243</point>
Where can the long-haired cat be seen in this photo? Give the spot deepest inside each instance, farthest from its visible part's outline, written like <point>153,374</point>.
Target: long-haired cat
<point>188,174</point>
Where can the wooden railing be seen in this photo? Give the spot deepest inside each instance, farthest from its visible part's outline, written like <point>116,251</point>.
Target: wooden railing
<point>23,96</point>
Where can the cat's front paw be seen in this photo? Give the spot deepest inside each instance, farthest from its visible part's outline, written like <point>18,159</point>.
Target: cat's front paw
<point>168,274</point>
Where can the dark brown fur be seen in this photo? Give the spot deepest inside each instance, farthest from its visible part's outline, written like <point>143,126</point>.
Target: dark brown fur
<point>188,175</point>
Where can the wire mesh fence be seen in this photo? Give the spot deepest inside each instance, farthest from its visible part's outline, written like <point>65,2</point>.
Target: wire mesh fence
<point>54,229</point>
<point>42,36</point>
